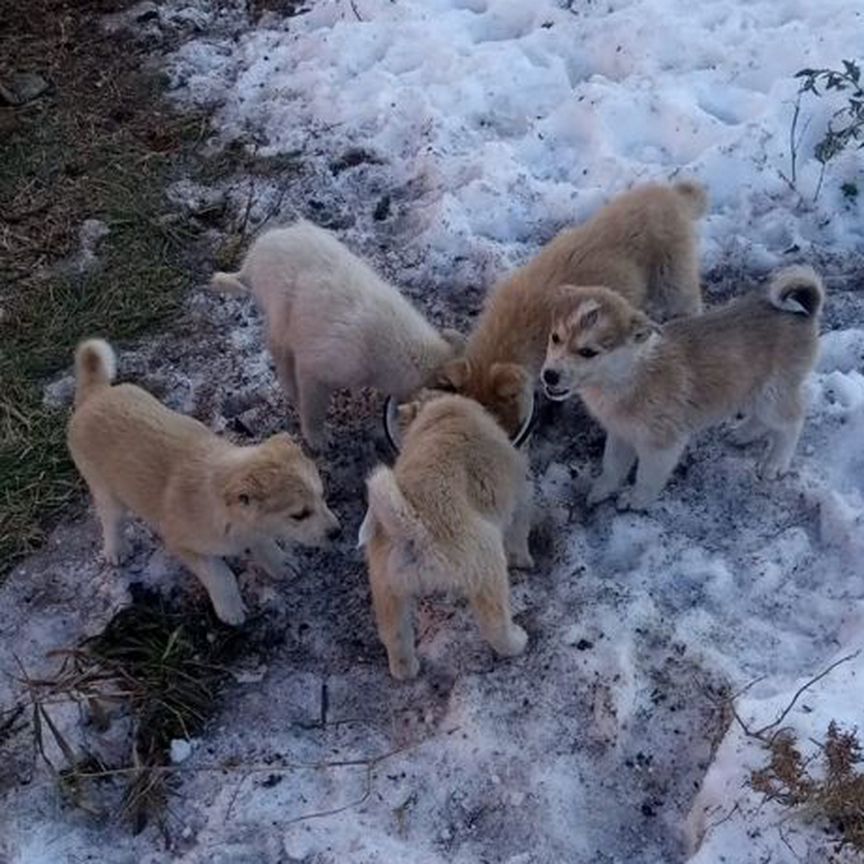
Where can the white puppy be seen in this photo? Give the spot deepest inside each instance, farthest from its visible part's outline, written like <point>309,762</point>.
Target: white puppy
<point>332,322</point>
<point>651,388</point>
<point>206,497</point>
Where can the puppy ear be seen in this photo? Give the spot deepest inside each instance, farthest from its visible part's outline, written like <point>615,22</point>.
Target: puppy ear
<point>452,376</point>
<point>454,339</point>
<point>407,413</point>
<point>508,379</point>
<point>240,489</point>
<point>589,312</point>
<point>643,327</point>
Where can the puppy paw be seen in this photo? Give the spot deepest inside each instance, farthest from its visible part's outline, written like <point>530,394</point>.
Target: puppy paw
<point>404,668</point>
<point>744,434</point>
<point>116,554</point>
<point>600,491</point>
<point>233,614</point>
<point>520,560</point>
<point>515,642</point>
<point>770,469</point>
<point>633,499</point>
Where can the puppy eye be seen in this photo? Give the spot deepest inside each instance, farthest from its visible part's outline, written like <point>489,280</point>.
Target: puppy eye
<point>587,352</point>
<point>305,513</point>
<point>556,339</point>
<point>243,498</point>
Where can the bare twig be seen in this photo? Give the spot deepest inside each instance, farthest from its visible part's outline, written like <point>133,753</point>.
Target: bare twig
<point>803,688</point>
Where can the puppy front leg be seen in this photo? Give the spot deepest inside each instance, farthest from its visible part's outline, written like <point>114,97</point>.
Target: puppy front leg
<point>655,468</point>
<point>270,558</point>
<point>491,605</point>
<point>314,398</point>
<point>220,583</point>
<point>284,361</point>
<point>516,537</point>
<point>618,459</point>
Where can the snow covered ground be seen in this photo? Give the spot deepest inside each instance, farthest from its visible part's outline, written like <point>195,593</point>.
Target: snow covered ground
<point>447,140</point>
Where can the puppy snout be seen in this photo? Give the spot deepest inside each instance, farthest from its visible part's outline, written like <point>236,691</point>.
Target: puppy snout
<point>551,377</point>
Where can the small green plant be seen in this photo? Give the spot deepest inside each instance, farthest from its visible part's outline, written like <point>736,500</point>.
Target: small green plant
<point>846,126</point>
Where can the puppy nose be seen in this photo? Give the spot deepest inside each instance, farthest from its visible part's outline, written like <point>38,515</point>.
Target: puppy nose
<point>550,377</point>
<point>334,532</point>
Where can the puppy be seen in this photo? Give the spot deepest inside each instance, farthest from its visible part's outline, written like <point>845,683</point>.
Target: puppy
<point>205,497</point>
<point>642,245</point>
<point>332,322</point>
<point>651,388</point>
<point>446,518</point>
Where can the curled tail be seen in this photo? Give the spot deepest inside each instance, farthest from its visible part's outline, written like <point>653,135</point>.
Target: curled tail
<point>95,367</point>
<point>387,505</point>
<point>695,195</point>
<point>797,289</point>
<point>230,283</point>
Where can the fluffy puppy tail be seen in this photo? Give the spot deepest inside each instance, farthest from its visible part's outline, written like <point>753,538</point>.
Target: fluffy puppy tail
<point>388,506</point>
<point>695,197</point>
<point>229,283</point>
<point>797,289</point>
<point>95,367</point>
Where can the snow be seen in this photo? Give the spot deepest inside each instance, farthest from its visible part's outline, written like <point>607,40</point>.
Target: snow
<point>502,120</point>
<point>486,125</point>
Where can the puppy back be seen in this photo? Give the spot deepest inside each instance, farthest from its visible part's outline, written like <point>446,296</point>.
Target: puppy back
<point>798,290</point>
<point>95,367</point>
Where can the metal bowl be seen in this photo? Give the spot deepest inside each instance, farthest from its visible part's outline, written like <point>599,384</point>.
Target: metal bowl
<point>394,438</point>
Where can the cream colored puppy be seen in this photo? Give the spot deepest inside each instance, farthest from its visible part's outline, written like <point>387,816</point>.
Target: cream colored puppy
<point>207,498</point>
<point>651,388</point>
<point>643,245</point>
<point>332,322</point>
<point>444,519</point>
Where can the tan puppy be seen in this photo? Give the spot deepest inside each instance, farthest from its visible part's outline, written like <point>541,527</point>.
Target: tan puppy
<point>332,322</point>
<point>445,519</point>
<point>652,388</point>
<point>642,245</point>
<point>206,497</point>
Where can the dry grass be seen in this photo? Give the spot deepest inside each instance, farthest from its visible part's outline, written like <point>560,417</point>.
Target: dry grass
<point>833,795</point>
<point>100,144</point>
<point>160,667</point>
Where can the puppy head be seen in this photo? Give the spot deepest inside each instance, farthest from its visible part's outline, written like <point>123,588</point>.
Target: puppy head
<point>595,339</point>
<point>503,389</point>
<point>275,491</point>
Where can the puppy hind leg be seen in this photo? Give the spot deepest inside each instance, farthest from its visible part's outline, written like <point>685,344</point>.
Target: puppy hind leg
<point>784,429</point>
<point>618,459</point>
<point>111,513</point>
<point>393,615</point>
<point>314,398</point>
<point>219,582</point>
<point>491,606</point>
<point>516,536</point>
<point>750,429</point>
<point>655,468</point>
